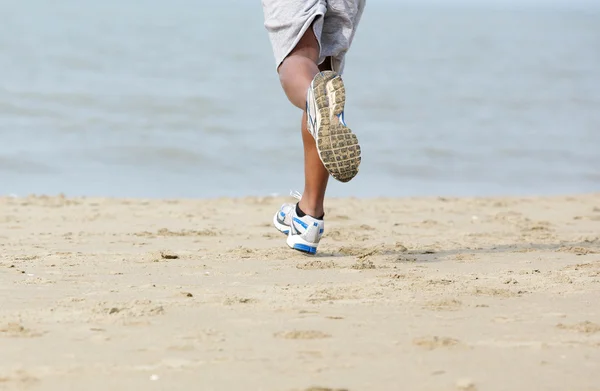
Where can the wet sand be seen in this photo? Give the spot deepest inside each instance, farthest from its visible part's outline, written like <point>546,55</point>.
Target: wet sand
<point>405,294</point>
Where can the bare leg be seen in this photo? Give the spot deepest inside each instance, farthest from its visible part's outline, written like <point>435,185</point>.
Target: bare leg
<point>315,176</point>
<point>296,73</point>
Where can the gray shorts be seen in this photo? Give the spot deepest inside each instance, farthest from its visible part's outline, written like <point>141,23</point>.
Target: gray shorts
<point>335,25</point>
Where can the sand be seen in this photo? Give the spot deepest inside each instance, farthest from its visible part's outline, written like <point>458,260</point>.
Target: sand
<point>405,294</point>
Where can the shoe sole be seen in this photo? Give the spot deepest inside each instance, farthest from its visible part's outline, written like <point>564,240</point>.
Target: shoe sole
<point>337,146</point>
<point>305,249</point>
<point>297,243</point>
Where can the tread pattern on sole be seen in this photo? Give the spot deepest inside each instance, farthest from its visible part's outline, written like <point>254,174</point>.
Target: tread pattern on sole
<point>338,147</point>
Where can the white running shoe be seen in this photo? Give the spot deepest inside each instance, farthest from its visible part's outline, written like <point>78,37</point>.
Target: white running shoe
<point>304,233</point>
<point>337,146</point>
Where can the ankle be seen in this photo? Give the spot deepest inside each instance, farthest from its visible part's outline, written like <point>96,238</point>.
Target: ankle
<point>314,210</point>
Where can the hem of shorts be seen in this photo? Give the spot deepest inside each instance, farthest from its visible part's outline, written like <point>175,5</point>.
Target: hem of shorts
<point>303,31</point>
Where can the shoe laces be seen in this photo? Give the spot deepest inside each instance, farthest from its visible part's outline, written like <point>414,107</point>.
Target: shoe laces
<point>296,194</point>
<point>287,207</point>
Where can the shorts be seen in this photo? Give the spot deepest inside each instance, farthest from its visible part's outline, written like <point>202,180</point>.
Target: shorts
<point>335,23</point>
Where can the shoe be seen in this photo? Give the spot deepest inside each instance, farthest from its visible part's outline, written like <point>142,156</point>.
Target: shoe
<point>337,146</point>
<point>304,233</point>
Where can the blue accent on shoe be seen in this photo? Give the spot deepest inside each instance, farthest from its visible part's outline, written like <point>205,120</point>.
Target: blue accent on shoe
<point>286,232</point>
<point>302,223</point>
<point>281,214</point>
<point>305,248</point>
<point>321,230</point>
<point>341,118</point>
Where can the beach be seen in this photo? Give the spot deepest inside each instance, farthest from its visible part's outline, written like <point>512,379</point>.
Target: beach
<point>405,294</point>
<point>146,146</point>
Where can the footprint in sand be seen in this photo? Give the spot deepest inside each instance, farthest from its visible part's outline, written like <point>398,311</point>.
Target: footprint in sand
<point>465,257</point>
<point>233,300</point>
<point>315,265</point>
<point>302,334</point>
<point>352,250</point>
<point>444,305</point>
<point>363,264</point>
<point>183,232</point>
<point>586,327</point>
<point>166,254</point>
<point>576,250</point>
<point>431,343</point>
<point>494,292</point>
<point>580,266</point>
<point>16,330</point>
<point>332,294</point>
<point>124,311</point>
<point>325,389</point>
<point>23,378</point>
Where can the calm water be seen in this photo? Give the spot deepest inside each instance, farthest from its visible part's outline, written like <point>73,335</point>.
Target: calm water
<point>176,99</point>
